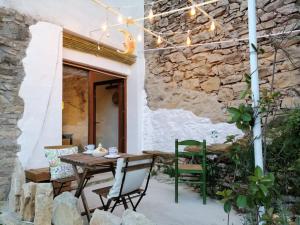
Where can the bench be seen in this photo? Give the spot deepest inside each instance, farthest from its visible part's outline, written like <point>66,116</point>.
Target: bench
<point>42,175</point>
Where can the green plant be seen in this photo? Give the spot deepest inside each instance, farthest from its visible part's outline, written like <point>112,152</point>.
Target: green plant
<point>284,151</point>
<point>259,192</point>
<point>242,116</point>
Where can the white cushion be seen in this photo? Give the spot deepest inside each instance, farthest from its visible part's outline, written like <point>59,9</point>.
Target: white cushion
<point>133,180</point>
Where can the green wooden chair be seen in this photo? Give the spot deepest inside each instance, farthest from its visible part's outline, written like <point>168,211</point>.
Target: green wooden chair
<point>186,170</point>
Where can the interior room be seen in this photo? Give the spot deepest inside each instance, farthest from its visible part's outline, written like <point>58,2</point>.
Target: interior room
<point>104,123</point>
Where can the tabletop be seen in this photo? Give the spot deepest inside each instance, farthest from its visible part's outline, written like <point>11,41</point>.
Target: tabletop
<point>87,160</point>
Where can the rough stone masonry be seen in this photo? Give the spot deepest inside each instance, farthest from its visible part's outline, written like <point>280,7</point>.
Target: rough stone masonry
<point>207,79</point>
<point>14,39</point>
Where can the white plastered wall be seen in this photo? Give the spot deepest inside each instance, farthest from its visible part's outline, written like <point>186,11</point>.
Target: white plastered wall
<point>41,127</point>
<point>41,92</point>
<point>163,126</point>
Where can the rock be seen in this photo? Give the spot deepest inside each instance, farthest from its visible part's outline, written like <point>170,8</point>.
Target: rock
<point>267,16</point>
<point>290,102</point>
<point>286,79</point>
<point>232,79</point>
<point>266,25</point>
<point>288,9</point>
<point>217,12</point>
<point>167,79</point>
<point>179,38</point>
<point>225,94</point>
<point>211,84</point>
<point>201,71</point>
<point>234,6</point>
<point>17,181</point>
<point>238,88</point>
<point>191,83</point>
<point>43,204</point>
<point>133,218</point>
<point>273,6</point>
<point>66,210</point>
<point>202,19</point>
<point>177,57</point>
<point>101,217</point>
<point>27,208</point>
<point>157,70</point>
<point>212,58</point>
<point>261,3</point>
<point>168,66</point>
<point>178,76</point>
<point>202,36</point>
<point>12,218</point>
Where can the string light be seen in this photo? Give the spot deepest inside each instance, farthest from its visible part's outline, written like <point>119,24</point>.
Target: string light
<point>159,40</point>
<point>193,10</point>
<point>212,26</point>
<point>120,19</point>
<point>139,38</point>
<point>151,15</point>
<point>188,39</point>
<point>104,27</point>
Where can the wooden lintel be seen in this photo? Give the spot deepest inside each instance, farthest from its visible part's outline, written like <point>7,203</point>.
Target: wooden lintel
<point>86,45</point>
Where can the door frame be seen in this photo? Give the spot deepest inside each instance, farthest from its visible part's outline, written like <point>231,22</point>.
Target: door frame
<point>122,118</point>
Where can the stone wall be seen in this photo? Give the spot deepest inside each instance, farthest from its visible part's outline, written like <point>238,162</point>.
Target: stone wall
<point>75,111</point>
<point>14,38</point>
<point>207,79</point>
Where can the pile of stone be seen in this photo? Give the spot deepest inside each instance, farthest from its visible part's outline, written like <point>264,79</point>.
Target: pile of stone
<point>129,217</point>
<point>33,203</point>
<point>29,203</point>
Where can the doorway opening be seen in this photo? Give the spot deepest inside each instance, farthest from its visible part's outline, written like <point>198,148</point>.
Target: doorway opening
<point>94,107</point>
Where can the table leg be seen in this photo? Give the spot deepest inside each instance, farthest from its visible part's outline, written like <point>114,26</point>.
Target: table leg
<point>80,191</point>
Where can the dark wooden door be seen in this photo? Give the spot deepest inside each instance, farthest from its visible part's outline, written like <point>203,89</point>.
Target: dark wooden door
<point>122,102</point>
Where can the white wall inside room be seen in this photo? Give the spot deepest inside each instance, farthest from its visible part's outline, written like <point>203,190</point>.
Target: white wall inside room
<point>106,117</point>
<point>163,126</point>
<point>41,92</point>
<point>83,16</point>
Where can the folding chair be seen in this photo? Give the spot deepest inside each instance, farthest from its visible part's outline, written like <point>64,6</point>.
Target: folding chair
<point>130,175</point>
<point>195,172</point>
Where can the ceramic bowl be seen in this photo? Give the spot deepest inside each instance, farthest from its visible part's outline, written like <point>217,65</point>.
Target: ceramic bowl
<point>97,153</point>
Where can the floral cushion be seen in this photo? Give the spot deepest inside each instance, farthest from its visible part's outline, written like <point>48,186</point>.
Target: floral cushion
<point>59,169</point>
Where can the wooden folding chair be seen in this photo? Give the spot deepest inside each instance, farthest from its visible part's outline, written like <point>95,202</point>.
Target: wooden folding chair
<point>195,172</point>
<point>130,175</point>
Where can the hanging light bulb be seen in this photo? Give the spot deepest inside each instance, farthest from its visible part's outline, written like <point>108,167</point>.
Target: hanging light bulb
<point>120,18</point>
<point>188,39</point>
<point>98,46</point>
<point>139,38</point>
<point>212,26</point>
<point>159,40</point>
<point>104,27</point>
<point>150,16</point>
<point>193,10</point>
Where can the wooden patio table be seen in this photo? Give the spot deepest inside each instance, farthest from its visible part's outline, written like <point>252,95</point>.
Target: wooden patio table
<point>90,165</point>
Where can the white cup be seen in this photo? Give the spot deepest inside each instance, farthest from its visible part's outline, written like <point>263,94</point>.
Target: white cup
<point>89,148</point>
<point>112,151</point>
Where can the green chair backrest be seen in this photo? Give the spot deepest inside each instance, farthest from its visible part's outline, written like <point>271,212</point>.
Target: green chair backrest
<point>186,154</point>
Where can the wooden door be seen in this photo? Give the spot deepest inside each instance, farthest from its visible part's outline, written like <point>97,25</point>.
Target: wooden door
<point>121,110</point>
<point>122,115</point>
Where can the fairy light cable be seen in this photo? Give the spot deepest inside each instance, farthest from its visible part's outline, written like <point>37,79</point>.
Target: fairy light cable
<point>221,42</point>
